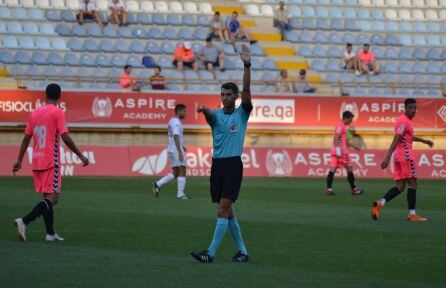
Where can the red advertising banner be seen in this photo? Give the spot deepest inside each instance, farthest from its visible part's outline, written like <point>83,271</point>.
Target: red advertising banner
<point>258,162</point>
<point>114,109</point>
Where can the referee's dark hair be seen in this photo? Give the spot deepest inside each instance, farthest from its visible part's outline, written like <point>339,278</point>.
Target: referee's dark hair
<point>53,91</point>
<point>409,101</point>
<point>179,107</point>
<point>231,86</point>
<point>347,115</point>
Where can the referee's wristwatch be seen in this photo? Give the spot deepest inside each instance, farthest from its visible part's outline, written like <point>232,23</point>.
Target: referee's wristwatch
<point>247,65</point>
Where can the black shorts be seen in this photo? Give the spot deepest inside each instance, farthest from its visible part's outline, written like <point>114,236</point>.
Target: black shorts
<point>214,64</point>
<point>226,178</point>
<point>185,64</point>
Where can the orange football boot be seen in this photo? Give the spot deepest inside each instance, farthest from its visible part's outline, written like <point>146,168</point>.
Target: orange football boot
<point>376,208</point>
<point>416,218</point>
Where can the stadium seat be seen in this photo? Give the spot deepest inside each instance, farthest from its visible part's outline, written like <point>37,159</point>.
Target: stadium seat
<point>419,40</point>
<point>434,54</point>
<point>318,65</point>
<point>79,30</point>
<point>12,3</point>
<point>91,46</point>
<point>5,13</point>
<point>308,24</point>
<point>308,12</point>
<point>203,20</point>
<point>7,57</point>
<point>337,13</point>
<point>378,26</point>
<point>363,14</point>
<point>14,27</point>
<point>334,52</point>
<point>125,32</point>
<point>306,37</point>
<point>94,31</point>
<point>433,27</point>
<point>165,62</point>
<point>336,24</point>
<point>46,29</point>
<point>333,65</point>
<point>433,40</point>
<point>153,48</point>
<point>59,44</point>
<point>377,39</point>
<point>110,31</point>
<point>391,14</point>
<point>200,34</point>
<point>19,14</point>
<point>122,46</point>
<point>58,4</point>
<point>434,68</point>
<point>10,42</point>
<point>392,39</point>
<point>404,14</point>
<point>27,3</point>
<point>205,8</point>
<point>320,37</point>
<point>269,64</point>
<point>43,43</point>
<point>68,16</point>
<point>33,71</point>
<point>431,15</point>
<point>351,25</point>
<point>335,38</point>
<point>253,10</point>
<point>55,59</point>
<point>30,28</point>
<point>102,5</point>
<point>322,24</point>
<point>22,58</point>
<point>147,7</point>
<point>137,47</point>
<point>190,8</point>
<point>3,29</point>
<point>419,27</point>
<point>73,5</point>
<point>50,71</point>
<point>132,6</point>
<point>393,26</point>
<point>26,43</point>
<point>75,44</point>
<point>71,59</point>
<point>349,38</point>
<point>39,58</point>
<point>189,20</point>
<point>167,48</point>
<point>161,7</point>
<point>36,14</point>
<point>391,53</point>
<point>377,14</point>
<point>291,37</point>
<point>16,70</point>
<point>134,61</point>
<point>143,18</point>
<point>364,25</point>
<point>103,60</point>
<point>43,4</point>
<point>404,67</point>
<point>87,60</point>
<point>294,11</point>
<point>350,13</point>
<point>176,7</point>
<point>158,19</point>
<point>417,15</point>
<point>63,30</point>
<point>406,40</point>
<point>173,19</point>
<point>186,34</point>
<point>170,33</point>
<point>267,10</point>
<point>363,38</point>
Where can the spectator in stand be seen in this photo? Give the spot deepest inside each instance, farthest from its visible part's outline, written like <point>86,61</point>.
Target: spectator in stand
<point>349,60</point>
<point>212,57</point>
<point>284,84</point>
<point>87,10</point>
<point>302,85</point>
<point>217,28</point>
<point>282,19</point>
<point>127,81</point>
<point>367,62</point>
<point>236,30</point>
<point>184,56</point>
<point>117,13</point>
<point>157,81</point>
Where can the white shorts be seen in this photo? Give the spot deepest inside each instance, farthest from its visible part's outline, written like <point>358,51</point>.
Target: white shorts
<point>174,161</point>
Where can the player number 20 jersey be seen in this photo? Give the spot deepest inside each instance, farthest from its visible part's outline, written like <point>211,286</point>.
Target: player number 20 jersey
<point>175,128</point>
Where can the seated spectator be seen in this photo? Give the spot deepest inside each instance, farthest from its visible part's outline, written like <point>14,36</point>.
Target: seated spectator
<point>301,85</point>
<point>87,10</point>
<point>117,12</point>
<point>157,81</point>
<point>127,81</point>
<point>237,31</point>
<point>367,62</point>
<point>349,60</point>
<point>184,56</point>
<point>217,28</point>
<point>212,57</point>
<point>282,19</point>
<point>284,84</point>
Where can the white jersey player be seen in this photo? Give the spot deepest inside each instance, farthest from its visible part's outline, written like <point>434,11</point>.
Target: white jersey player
<point>176,153</point>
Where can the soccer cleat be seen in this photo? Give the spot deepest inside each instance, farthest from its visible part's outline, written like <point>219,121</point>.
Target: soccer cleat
<point>184,197</point>
<point>329,192</point>
<point>416,218</point>
<point>156,190</point>
<point>376,208</point>
<point>357,191</point>
<point>21,229</point>
<point>54,237</point>
<point>202,256</point>
<point>239,257</point>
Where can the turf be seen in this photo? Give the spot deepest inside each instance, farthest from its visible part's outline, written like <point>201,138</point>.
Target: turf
<point>118,235</point>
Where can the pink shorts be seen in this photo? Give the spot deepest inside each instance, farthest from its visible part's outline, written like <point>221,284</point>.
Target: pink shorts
<point>404,170</point>
<point>340,162</point>
<point>47,181</point>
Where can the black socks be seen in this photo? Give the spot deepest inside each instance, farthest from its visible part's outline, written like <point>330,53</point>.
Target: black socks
<point>411,198</point>
<point>351,180</point>
<point>330,177</point>
<point>44,208</point>
<point>392,193</point>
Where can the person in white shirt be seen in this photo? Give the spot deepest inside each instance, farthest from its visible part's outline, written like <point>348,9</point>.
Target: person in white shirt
<point>87,10</point>
<point>349,60</point>
<point>117,12</point>
<point>177,156</point>
<point>282,19</point>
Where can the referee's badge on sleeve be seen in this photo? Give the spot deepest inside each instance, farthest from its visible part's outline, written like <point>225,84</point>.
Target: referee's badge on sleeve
<point>233,128</point>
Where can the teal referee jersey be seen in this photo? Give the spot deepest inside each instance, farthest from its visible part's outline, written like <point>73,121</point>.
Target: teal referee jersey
<point>228,132</point>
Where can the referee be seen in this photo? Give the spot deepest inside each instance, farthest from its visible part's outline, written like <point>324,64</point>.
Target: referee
<point>228,132</point>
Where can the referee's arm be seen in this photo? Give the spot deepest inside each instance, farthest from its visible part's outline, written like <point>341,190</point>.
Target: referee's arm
<point>246,92</point>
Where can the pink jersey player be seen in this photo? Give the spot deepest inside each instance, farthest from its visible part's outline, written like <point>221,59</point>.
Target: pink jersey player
<point>46,126</point>
<point>404,163</point>
<point>339,155</point>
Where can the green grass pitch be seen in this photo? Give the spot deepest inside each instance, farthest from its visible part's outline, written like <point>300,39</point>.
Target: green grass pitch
<point>118,235</point>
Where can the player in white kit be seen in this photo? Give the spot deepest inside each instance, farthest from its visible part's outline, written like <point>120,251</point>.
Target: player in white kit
<point>176,153</point>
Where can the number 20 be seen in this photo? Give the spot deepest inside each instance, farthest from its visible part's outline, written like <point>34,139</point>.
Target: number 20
<point>40,132</point>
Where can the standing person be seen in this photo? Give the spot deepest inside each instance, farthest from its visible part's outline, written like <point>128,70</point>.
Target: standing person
<point>217,28</point>
<point>228,127</point>
<point>87,10</point>
<point>339,155</point>
<point>46,125</point>
<point>404,167</point>
<point>176,152</point>
<point>117,12</point>
<point>282,19</point>
<point>212,57</point>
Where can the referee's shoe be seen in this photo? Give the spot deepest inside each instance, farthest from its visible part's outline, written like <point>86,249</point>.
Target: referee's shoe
<point>202,256</point>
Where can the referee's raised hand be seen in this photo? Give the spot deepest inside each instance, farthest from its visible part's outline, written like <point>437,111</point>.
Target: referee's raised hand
<point>245,54</point>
